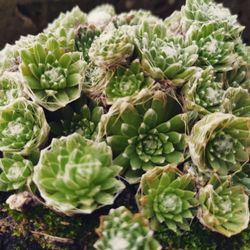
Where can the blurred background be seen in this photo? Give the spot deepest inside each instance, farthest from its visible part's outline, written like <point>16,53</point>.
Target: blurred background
<point>21,17</point>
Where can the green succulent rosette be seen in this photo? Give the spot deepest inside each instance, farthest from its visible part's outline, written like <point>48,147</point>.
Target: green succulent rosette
<point>126,81</point>
<point>10,87</point>
<point>101,15</point>
<point>243,178</point>
<point>203,93</point>
<point>167,198</point>
<point>69,20</point>
<point>201,12</point>
<point>23,127</point>
<point>238,77</point>
<point>52,77</point>
<point>76,175</point>
<point>236,101</point>
<point>220,143</point>
<point>122,230</point>
<point>14,172</point>
<point>149,132</point>
<point>168,60</point>
<point>135,17</point>
<point>213,48</point>
<point>223,207</point>
<point>8,59</point>
<point>113,47</point>
<point>83,118</point>
<point>84,38</point>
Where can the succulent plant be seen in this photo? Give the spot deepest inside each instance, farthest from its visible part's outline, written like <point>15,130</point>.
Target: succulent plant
<point>168,60</point>
<point>135,17</point>
<point>83,118</point>
<point>84,38</point>
<point>113,47</point>
<point>76,175</point>
<point>53,77</point>
<point>122,230</point>
<point>69,20</point>
<point>167,198</point>
<point>8,59</point>
<point>238,77</point>
<point>236,101</point>
<point>101,15</point>
<point>220,143</point>
<point>126,81</point>
<point>23,127</point>
<point>203,93</point>
<point>10,87</point>
<point>214,49</point>
<point>174,25</point>
<point>223,207</point>
<point>148,133</point>
<point>243,178</point>
<point>14,172</point>
<point>201,12</point>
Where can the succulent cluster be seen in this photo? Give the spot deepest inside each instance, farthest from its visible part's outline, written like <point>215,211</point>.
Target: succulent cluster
<point>100,99</point>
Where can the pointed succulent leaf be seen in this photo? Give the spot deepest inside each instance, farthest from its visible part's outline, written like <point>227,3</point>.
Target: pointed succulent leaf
<point>236,101</point>
<point>55,80</point>
<point>83,118</point>
<point>243,178</point>
<point>126,81</point>
<point>112,47</point>
<point>14,172</point>
<point>166,197</point>
<point>200,12</point>
<point>213,47</point>
<point>23,127</point>
<point>168,60</point>
<point>76,175</point>
<point>153,131</point>
<point>69,20</point>
<point>220,143</point>
<point>203,93</point>
<point>122,230</point>
<point>223,207</point>
<point>84,38</point>
<point>10,87</point>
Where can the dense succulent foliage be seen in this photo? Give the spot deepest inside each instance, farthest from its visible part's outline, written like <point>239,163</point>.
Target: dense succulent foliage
<point>122,230</point>
<point>98,100</point>
<point>146,133</point>
<point>82,169</point>
<point>167,198</point>
<point>223,207</point>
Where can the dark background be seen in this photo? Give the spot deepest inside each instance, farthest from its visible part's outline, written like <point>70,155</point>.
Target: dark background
<point>21,17</point>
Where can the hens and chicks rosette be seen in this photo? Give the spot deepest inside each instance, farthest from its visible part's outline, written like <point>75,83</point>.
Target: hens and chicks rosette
<point>102,100</point>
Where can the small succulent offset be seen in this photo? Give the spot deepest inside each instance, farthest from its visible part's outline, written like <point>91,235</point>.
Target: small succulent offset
<point>126,81</point>
<point>203,93</point>
<point>75,175</point>
<point>23,127</point>
<point>53,77</point>
<point>83,118</point>
<point>10,88</point>
<point>167,198</point>
<point>149,132</point>
<point>220,143</point>
<point>123,230</point>
<point>15,171</point>
<point>223,207</point>
<point>112,47</point>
